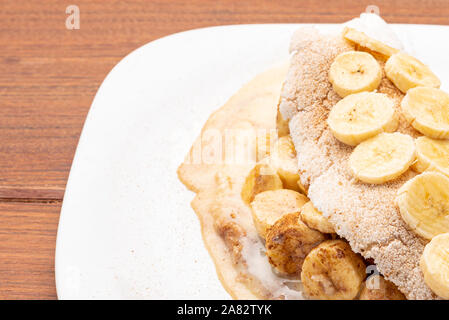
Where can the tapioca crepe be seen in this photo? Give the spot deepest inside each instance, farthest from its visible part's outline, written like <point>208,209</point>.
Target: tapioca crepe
<point>227,226</point>
<point>364,214</point>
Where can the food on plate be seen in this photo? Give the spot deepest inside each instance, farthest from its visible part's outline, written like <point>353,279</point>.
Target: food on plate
<point>332,271</point>
<point>353,72</point>
<point>315,219</point>
<point>346,182</point>
<point>361,39</point>
<point>289,241</point>
<point>269,206</point>
<point>383,157</point>
<point>226,220</point>
<point>261,178</point>
<point>362,116</point>
<point>363,213</point>
<point>424,204</point>
<point>283,159</point>
<point>407,72</point>
<point>435,265</point>
<point>432,155</point>
<point>427,110</point>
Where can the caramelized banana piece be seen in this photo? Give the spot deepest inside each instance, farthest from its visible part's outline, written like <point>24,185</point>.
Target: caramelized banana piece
<point>261,178</point>
<point>332,271</point>
<point>281,125</point>
<point>269,206</point>
<point>288,242</point>
<point>377,288</point>
<point>315,219</point>
<point>283,160</point>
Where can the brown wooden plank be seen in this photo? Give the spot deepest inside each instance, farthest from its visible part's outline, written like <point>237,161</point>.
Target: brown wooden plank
<point>27,247</point>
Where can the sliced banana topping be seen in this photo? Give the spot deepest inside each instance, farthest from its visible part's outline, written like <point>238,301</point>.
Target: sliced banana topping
<point>432,155</point>
<point>435,265</point>
<point>261,178</point>
<point>353,72</point>
<point>315,219</point>
<point>283,160</point>
<point>269,206</point>
<point>332,271</point>
<point>382,158</point>
<point>361,116</point>
<point>407,72</point>
<point>427,109</point>
<point>301,187</point>
<point>288,242</point>
<point>424,204</point>
<point>365,41</point>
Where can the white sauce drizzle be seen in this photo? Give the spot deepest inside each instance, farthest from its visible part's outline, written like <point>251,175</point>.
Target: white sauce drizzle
<point>253,252</point>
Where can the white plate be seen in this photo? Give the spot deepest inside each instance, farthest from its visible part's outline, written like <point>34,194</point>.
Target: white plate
<point>126,228</point>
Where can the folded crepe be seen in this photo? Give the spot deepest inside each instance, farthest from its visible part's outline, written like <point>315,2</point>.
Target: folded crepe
<point>363,214</point>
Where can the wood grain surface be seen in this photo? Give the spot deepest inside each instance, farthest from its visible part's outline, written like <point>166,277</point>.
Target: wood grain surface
<point>49,76</point>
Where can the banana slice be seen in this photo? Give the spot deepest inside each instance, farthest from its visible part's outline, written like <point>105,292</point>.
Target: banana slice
<point>377,288</point>
<point>427,109</point>
<point>354,71</point>
<point>435,265</point>
<point>301,187</point>
<point>424,204</point>
<point>283,160</point>
<point>315,219</point>
<point>269,206</point>
<point>407,72</point>
<point>264,143</point>
<point>288,242</point>
<point>361,116</point>
<point>432,155</point>
<point>365,41</point>
<point>382,158</point>
<point>261,178</point>
<point>332,271</point>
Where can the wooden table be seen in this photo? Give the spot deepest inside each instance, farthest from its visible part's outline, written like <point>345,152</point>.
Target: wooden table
<point>49,76</point>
